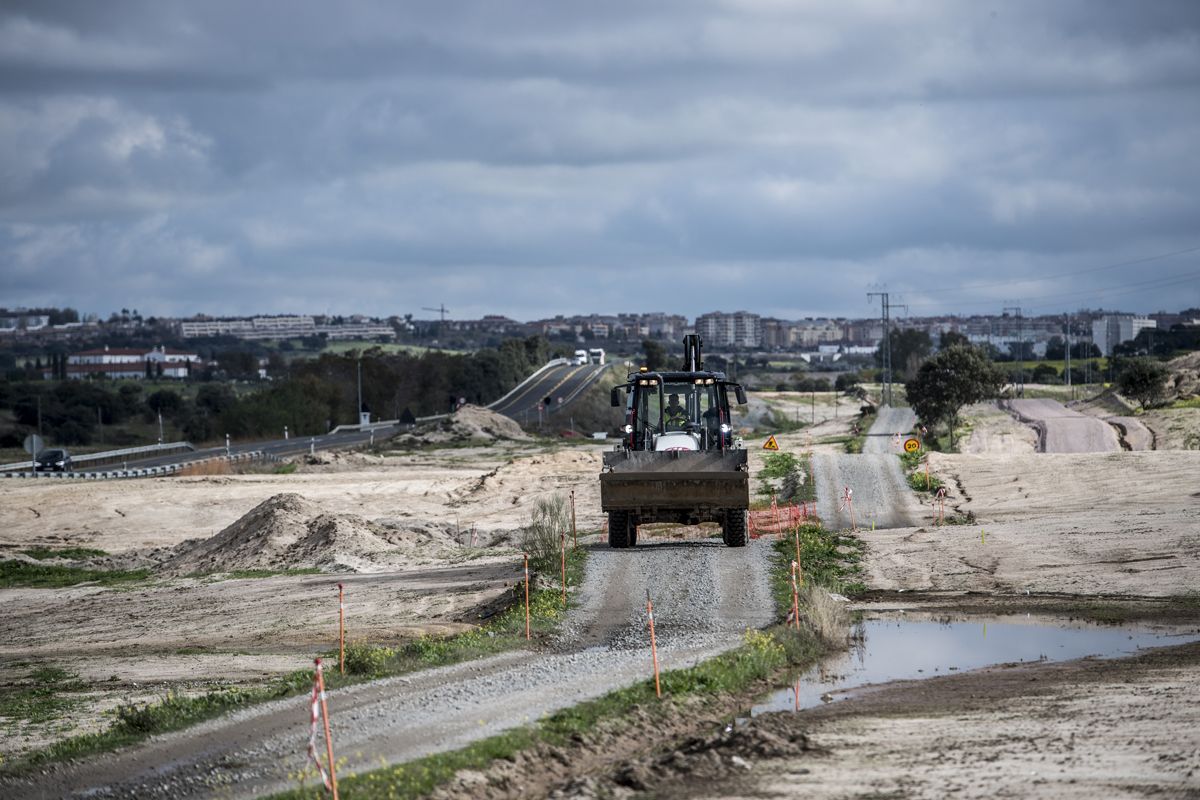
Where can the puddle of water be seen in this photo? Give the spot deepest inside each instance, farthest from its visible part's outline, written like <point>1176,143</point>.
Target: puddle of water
<point>891,649</point>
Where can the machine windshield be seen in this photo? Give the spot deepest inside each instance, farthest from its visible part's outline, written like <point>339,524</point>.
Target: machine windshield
<point>678,406</point>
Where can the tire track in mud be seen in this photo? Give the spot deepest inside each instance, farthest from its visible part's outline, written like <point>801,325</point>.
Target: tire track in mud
<point>705,596</point>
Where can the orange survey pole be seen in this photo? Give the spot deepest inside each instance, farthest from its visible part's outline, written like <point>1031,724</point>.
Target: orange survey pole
<point>795,596</point>
<point>797,533</point>
<point>653,644</point>
<point>341,630</point>
<point>563,539</point>
<point>527,636</point>
<point>328,738</point>
<point>574,532</point>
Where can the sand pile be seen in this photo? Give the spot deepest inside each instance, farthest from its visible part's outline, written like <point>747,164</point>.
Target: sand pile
<point>468,424</point>
<point>288,532</point>
<point>1184,380</point>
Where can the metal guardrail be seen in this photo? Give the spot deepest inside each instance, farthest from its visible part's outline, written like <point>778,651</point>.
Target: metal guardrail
<point>113,455</point>
<point>143,472</point>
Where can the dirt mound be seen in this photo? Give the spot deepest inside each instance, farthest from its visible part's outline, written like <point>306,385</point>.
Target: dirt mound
<point>1184,380</point>
<point>288,532</point>
<point>468,424</point>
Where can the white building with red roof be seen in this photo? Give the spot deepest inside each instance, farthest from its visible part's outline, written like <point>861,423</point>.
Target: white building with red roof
<point>131,362</point>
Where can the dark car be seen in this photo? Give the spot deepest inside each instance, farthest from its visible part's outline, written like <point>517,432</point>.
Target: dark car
<point>54,461</point>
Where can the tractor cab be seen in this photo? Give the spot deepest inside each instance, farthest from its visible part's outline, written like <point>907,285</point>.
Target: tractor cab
<point>678,411</point>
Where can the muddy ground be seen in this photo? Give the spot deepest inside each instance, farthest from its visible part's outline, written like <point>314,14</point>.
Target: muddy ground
<point>1045,532</point>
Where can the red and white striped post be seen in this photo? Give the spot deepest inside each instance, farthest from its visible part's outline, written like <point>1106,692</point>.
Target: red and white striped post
<point>341,629</point>
<point>563,541</point>
<point>319,708</point>
<point>574,532</point>
<point>848,503</point>
<point>795,596</point>
<point>527,636</point>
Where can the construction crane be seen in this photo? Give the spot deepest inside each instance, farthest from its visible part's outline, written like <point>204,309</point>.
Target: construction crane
<point>441,309</point>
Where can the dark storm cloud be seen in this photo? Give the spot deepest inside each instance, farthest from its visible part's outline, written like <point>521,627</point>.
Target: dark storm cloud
<point>509,158</point>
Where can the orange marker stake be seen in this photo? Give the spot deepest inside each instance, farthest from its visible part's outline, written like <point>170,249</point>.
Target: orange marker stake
<point>328,738</point>
<point>797,534</point>
<point>797,692</point>
<point>653,644</point>
<point>527,636</point>
<point>795,596</point>
<point>563,538</point>
<point>341,630</point>
<point>574,532</point>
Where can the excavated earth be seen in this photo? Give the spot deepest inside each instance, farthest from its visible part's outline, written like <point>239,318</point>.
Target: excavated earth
<point>422,540</point>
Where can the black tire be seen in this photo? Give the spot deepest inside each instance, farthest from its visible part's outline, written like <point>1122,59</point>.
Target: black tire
<point>619,530</point>
<point>733,532</point>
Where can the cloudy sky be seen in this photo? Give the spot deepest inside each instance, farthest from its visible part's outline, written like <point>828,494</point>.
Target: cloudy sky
<point>527,159</point>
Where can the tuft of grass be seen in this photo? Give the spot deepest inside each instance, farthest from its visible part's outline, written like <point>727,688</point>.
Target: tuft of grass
<point>830,559</point>
<point>284,469</point>
<point>268,573</point>
<point>1191,402</point>
<point>541,537</point>
<point>792,472</point>
<point>43,696</point>
<point>72,553</point>
<point>855,443</point>
<point>915,473</point>
<point>52,576</point>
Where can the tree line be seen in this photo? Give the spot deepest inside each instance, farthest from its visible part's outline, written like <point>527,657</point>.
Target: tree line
<point>307,396</point>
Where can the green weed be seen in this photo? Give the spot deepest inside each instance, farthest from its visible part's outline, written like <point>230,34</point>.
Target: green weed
<point>50,576</point>
<point>42,696</point>
<point>73,553</point>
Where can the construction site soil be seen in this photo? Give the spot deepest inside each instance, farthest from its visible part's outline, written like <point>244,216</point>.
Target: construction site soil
<point>423,538</point>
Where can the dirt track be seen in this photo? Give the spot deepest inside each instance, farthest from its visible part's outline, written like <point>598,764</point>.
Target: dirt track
<point>881,498</point>
<point>706,594</point>
<point>1062,430</point>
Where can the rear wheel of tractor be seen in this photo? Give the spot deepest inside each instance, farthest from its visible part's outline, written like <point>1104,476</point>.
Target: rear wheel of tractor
<point>618,529</point>
<point>733,532</point>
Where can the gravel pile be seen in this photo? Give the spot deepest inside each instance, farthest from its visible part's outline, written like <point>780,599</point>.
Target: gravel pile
<point>469,424</point>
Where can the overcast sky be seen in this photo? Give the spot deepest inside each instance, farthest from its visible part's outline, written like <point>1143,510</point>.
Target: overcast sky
<point>530,159</point>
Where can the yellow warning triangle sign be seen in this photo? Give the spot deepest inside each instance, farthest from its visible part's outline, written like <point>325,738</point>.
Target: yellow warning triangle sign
<point>771,444</point>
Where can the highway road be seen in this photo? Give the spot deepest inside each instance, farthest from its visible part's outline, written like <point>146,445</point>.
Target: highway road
<point>274,447</point>
<point>563,383</point>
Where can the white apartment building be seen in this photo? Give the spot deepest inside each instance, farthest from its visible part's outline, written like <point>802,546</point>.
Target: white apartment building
<point>1113,329</point>
<point>739,329</point>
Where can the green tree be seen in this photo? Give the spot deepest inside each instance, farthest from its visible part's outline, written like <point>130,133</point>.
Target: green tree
<point>656,354</point>
<point>1142,379</point>
<point>909,348</point>
<point>955,377</point>
<point>951,338</point>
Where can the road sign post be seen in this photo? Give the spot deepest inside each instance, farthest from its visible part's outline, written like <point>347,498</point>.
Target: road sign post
<point>33,445</point>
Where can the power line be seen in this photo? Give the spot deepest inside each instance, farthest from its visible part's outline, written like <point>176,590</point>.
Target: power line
<point>1086,271</point>
<point>1153,283</point>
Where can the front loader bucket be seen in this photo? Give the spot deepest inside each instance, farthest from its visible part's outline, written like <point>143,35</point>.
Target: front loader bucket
<point>682,480</point>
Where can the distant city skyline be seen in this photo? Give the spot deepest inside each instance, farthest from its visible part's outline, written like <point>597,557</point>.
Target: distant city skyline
<point>510,158</point>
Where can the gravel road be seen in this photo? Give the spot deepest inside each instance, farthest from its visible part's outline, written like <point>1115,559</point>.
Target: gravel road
<point>705,596</point>
<point>881,498</point>
<point>1061,430</point>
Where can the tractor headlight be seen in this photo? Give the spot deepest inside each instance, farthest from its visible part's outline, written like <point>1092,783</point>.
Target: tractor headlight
<point>628,429</point>
<point>725,428</point>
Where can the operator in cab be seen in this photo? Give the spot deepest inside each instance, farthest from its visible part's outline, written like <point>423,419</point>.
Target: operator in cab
<point>675,414</point>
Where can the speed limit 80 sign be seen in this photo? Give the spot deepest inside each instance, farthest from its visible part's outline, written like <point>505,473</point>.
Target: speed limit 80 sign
<point>911,445</point>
